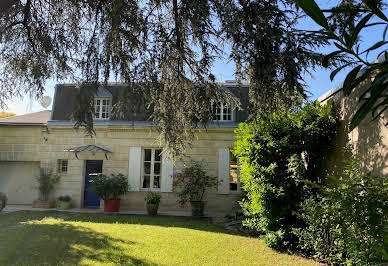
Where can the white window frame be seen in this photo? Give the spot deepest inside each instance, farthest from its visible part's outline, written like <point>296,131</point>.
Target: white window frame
<point>237,168</point>
<point>61,166</point>
<point>152,170</point>
<point>223,106</point>
<point>100,112</point>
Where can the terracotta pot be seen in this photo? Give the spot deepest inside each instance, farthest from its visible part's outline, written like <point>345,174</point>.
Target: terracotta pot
<point>197,207</point>
<point>152,209</point>
<point>112,205</point>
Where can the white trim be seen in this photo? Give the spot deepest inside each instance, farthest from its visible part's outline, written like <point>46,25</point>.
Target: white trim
<point>152,173</point>
<point>223,171</point>
<point>100,112</point>
<point>134,166</point>
<point>222,107</point>
<point>167,172</point>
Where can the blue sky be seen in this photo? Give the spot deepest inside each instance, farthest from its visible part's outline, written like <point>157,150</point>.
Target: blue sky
<point>317,84</point>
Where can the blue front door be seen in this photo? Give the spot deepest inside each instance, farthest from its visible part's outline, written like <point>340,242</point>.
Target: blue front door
<point>93,168</point>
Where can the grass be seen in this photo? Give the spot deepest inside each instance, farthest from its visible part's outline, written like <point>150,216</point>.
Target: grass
<point>61,238</point>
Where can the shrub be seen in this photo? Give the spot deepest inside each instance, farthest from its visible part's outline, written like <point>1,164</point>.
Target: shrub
<point>110,187</point>
<point>192,183</point>
<point>46,180</point>
<point>64,198</point>
<point>152,198</point>
<point>346,222</point>
<point>3,200</point>
<point>278,154</point>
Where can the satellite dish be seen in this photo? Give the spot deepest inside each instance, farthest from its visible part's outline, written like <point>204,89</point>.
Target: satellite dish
<point>45,101</point>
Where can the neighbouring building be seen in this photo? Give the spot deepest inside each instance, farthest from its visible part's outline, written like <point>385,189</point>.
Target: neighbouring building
<point>124,144</point>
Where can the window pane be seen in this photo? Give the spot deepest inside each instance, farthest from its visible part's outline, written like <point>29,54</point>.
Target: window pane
<point>157,168</point>
<point>147,155</point>
<point>147,168</point>
<point>146,181</point>
<point>156,182</point>
<point>157,155</point>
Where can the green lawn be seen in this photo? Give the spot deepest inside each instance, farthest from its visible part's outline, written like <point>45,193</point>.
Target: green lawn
<point>50,238</point>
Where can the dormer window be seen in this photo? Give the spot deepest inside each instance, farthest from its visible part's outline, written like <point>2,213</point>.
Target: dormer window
<point>101,108</point>
<point>222,112</point>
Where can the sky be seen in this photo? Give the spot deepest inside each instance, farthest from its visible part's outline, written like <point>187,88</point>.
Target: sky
<point>317,84</point>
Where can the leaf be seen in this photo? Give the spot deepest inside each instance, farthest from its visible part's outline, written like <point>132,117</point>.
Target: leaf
<point>385,32</point>
<point>325,61</point>
<point>335,72</point>
<point>383,104</point>
<point>342,48</point>
<point>359,27</point>
<point>347,86</point>
<point>372,4</point>
<point>314,12</point>
<point>375,46</point>
<point>368,105</point>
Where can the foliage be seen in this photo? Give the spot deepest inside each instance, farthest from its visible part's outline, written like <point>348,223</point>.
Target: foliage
<point>265,33</point>
<point>359,16</point>
<point>164,51</point>
<point>6,114</point>
<point>152,198</point>
<point>110,187</point>
<point>192,183</point>
<point>279,155</point>
<point>345,222</point>
<point>3,200</point>
<point>46,180</point>
<point>64,198</point>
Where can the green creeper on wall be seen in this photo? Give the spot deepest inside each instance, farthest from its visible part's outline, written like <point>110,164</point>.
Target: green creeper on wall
<point>3,200</point>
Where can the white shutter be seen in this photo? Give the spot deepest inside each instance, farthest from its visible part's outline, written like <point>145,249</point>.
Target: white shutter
<point>223,171</point>
<point>167,171</point>
<point>134,168</point>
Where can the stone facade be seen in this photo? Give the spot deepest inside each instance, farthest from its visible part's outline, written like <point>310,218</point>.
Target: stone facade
<point>46,144</point>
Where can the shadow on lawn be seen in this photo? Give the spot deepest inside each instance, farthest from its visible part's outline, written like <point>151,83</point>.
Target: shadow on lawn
<point>37,240</point>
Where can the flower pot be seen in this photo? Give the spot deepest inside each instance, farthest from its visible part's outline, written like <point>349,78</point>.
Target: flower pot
<point>197,208</point>
<point>152,209</point>
<point>112,205</point>
<point>64,204</point>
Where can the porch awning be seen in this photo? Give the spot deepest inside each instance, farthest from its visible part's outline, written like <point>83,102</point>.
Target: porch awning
<point>88,148</point>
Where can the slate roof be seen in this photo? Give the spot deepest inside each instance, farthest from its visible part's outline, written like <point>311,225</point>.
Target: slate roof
<point>38,118</point>
<point>67,95</point>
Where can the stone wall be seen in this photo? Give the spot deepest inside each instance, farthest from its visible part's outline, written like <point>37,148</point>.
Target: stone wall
<point>368,141</point>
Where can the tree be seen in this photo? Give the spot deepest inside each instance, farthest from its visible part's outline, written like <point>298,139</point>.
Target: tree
<point>162,49</point>
<point>350,18</point>
<point>6,114</point>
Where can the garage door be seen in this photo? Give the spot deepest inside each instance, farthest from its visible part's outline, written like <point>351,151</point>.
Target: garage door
<point>18,180</point>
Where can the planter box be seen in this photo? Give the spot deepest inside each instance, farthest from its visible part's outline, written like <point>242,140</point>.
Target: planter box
<point>47,204</point>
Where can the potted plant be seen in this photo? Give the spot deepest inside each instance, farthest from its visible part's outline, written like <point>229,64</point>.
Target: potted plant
<point>3,200</point>
<point>152,200</point>
<point>191,185</point>
<point>46,180</point>
<point>110,188</point>
<point>64,202</point>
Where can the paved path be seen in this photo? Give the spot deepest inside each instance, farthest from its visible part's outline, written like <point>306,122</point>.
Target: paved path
<point>15,208</point>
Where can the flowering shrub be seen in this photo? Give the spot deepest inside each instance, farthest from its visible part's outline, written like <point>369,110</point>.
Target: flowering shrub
<point>192,183</point>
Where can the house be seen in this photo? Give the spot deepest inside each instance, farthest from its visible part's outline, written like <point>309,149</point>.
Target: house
<point>124,144</point>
